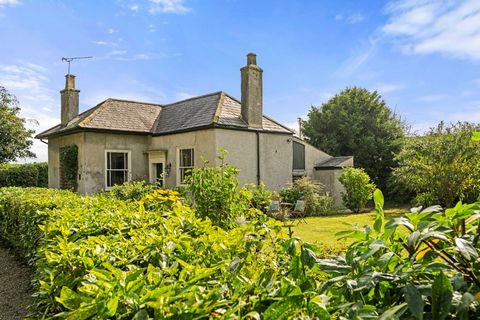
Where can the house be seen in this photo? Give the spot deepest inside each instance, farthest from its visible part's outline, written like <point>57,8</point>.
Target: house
<point>120,140</point>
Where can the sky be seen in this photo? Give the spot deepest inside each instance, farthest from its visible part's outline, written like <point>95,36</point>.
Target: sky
<point>422,56</point>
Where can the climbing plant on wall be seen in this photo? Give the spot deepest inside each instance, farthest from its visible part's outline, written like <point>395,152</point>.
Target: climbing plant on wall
<point>68,167</point>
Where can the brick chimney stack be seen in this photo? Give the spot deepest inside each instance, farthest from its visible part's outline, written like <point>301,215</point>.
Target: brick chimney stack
<point>252,91</point>
<point>69,100</point>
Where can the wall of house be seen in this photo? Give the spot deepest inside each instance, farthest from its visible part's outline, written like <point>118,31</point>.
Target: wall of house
<point>312,156</point>
<point>275,156</point>
<point>329,178</point>
<point>93,170</point>
<point>203,142</point>
<point>54,145</point>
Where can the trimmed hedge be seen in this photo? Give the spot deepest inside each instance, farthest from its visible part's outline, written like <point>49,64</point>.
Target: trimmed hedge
<point>100,257</point>
<point>24,175</point>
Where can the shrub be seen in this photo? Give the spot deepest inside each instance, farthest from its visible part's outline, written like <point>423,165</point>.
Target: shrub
<point>132,190</point>
<point>99,257</point>
<point>358,188</point>
<point>309,191</point>
<point>423,265</point>
<point>24,175</point>
<point>258,197</point>
<point>213,193</point>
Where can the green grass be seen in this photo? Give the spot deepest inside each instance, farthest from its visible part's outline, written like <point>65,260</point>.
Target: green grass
<point>321,230</point>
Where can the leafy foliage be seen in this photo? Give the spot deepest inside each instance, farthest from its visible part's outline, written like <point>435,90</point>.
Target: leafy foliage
<point>421,265</point>
<point>442,166</point>
<point>358,188</point>
<point>132,190</point>
<point>213,192</point>
<point>316,203</point>
<point>258,197</point>
<point>359,123</point>
<point>15,139</point>
<point>24,175</point>
<point>100,257</point>
<point>69,160</point>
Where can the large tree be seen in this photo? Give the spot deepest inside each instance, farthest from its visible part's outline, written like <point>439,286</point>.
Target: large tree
<point>15,139</point>
<point>359,123</point>
<point>442,166</point>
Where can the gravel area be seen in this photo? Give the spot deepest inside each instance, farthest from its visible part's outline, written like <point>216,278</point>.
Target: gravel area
<point>15,285</point>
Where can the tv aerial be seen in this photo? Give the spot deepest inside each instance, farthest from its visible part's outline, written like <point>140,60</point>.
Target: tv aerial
<point>68,60</point>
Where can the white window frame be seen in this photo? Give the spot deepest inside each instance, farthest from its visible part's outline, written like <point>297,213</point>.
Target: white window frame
<point>179,182</point>
<point>129,163</point>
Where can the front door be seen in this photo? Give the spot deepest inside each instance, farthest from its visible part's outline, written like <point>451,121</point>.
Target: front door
<point>159,174</point>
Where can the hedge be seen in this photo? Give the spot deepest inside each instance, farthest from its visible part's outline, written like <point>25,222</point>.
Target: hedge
<point>100,257</point>
<point>24,175</point>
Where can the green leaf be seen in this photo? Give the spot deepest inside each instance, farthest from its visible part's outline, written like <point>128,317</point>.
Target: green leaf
<point>394,313</point>
<point>112,305</point>
<point>442,293</point>
<point>141,315</point>
<point>464,306</point>
<point>466,249</point>
<point>414,300</point>
<point>378,198</point>
<point>284,308</point>
<point>476,136</point>
<point>70,299</point>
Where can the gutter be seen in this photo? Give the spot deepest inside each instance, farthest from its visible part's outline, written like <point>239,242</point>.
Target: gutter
<point>258,157</point>
<point>41,139</point>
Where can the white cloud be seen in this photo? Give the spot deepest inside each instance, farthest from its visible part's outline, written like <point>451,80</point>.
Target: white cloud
<point>183,96</point>
<point>152,28</point>
<point>338,17</point>
<point>9,3</point>
<point>357,59</point>
<point>433,98</point>
<point>386,87</point>
<point>111,31</point>
<point>106,43</point>
<point>356,18</point>
<point>29,82</point>
<point>168,6</point>
<point>134,7</point>
<point>430,26</point>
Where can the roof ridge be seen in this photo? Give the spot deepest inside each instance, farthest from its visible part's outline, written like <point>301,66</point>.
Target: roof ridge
<point>218,109</point>
<point>134,101</point>
<point>94,112</point>
<point>192,98</point>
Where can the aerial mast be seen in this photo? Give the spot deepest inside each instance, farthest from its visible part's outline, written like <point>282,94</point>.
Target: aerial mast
<point>70,59</point>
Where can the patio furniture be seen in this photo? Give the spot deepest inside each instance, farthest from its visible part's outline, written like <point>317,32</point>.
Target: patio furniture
<point>298,211</point>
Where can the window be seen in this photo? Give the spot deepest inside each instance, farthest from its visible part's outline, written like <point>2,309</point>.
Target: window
<point>159,174</point>
<point>298,156</point>
<point>186,162</point>
<point>117,164</point>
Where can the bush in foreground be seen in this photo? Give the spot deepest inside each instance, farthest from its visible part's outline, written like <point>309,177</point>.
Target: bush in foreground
<point>100,257</point>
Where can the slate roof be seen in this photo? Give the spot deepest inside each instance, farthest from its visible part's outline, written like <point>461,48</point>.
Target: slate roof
<point>212,110</point>
<point>333,162</point>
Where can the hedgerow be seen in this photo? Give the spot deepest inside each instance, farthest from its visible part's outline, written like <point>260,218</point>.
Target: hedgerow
<point>100,257</point>
<point>24,175</point>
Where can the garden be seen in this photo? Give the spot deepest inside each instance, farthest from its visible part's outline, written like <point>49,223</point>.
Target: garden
<point>210,251</point>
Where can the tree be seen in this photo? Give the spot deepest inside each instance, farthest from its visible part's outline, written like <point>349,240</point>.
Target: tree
<point>359,123</point>
<point>15,139</point>
<point>442,166</point>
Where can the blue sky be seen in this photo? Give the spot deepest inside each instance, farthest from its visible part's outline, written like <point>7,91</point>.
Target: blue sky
<point>422,56</point>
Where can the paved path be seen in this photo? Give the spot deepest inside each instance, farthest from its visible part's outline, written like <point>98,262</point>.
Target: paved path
<point>15,286</point>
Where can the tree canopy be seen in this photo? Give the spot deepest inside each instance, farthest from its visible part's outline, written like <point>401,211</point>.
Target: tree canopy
<point>359,123</point>
<point>15,139</point>
<point>442,166</point>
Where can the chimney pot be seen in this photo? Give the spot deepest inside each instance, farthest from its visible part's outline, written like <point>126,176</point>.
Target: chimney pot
<point>251,59</point>
<point>69,81</point>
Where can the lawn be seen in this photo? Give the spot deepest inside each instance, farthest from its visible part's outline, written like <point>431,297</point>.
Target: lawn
<point>321,230</point>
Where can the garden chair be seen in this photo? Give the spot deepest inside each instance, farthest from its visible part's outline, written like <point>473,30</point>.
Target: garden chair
<point>274,207</point>
<point>298,211</point>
